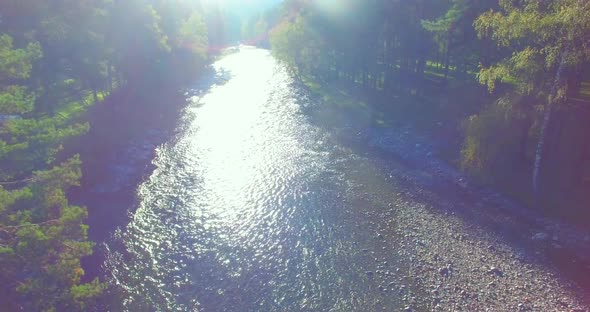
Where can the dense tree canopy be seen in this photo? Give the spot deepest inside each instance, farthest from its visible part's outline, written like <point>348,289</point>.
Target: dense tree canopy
<point>56,59</point>
<point>531,55</point>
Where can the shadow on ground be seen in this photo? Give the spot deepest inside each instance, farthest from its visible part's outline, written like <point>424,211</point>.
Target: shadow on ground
<point>117,152</point>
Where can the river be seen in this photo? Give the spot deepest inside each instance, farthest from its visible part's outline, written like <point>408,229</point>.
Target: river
<point>253,206</point>
<point>247,206</point>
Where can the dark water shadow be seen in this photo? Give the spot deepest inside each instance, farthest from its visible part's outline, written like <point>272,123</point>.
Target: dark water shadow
<point>117,153</point>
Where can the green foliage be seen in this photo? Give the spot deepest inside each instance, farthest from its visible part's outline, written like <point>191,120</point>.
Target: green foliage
<point>56,60</point>
<point>493,138</point>
<point>193,35</point>
<point>533,55</point>
<point>548,45</point>
<point>15,66</point>
<point>16,63</point>
<point>191,47</point>
<point>377,43</point>
<point>255,31</point>
<point>538,34</point>
<point>79,293</point>
<point>33,143</point>
<point>16,100</point>
<point>297,45</point>
<point>43,240</point>
<point>445,27</point>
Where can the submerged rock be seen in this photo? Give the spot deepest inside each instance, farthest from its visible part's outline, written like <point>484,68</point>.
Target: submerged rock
<point>540,237</point>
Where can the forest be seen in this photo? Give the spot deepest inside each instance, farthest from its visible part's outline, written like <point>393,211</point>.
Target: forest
<point>508,79</point>
<point>506,83</point>
<point>57,59</point>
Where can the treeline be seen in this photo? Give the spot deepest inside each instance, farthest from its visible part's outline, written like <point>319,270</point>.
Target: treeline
<point>255,30</point>
<point>57,58</point>
<point>528,59</point>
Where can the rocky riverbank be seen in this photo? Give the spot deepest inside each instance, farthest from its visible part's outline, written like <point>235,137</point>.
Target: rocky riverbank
<point>466,247</point>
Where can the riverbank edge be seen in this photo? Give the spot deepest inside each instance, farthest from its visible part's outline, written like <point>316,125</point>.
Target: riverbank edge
<point>422,148</point>
<point>132,120</point>
<point>443,135</point>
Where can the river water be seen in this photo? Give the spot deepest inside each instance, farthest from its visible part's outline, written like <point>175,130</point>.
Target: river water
<point>251,207</point>
<point>267,199</point>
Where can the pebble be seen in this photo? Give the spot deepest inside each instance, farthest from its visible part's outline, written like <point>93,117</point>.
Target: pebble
<point>496,271</point>
<point>444,271</point>
<point>540,236</point>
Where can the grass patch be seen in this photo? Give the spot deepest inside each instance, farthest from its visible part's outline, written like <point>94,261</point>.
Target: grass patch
<point>75,109</point>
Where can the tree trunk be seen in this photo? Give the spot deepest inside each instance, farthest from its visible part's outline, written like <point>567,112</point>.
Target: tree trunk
<point>583,161</point>
<point>546,120</point>
<point>447,59</point>
<point>420,66</point>
<point>110,77</point>
<point>446,62</point>
<point>524,138</point>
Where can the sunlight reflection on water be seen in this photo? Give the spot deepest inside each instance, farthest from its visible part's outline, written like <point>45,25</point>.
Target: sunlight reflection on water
<point>242,211</point>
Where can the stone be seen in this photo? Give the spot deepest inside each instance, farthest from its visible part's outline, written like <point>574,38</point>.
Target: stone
<point>444,272</point>
<point>540,236</point>
<point>495,271</point>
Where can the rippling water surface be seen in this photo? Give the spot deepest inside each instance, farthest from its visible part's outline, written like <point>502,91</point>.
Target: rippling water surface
<point>249,207</point>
